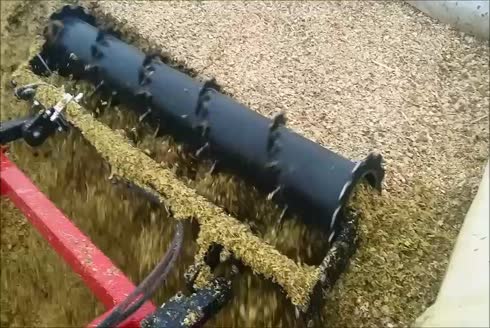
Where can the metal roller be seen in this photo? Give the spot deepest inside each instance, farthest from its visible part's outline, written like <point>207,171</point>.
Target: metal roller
<point>293,171</point>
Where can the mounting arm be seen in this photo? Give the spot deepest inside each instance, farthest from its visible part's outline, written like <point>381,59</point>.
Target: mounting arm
<point>37,128</point>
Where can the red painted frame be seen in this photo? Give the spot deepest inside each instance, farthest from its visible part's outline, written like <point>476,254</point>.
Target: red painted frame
<point>101,276</point>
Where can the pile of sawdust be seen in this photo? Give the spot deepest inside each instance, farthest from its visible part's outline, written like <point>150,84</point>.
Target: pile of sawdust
<point>353,76</point>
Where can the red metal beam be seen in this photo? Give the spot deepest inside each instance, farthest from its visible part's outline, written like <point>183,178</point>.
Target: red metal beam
<point>103,278</point>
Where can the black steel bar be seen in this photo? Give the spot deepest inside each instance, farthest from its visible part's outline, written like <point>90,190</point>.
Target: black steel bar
<point>12,130</point>
<point>193,310</point>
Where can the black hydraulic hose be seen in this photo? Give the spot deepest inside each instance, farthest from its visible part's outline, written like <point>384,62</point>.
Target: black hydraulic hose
<point>149,285</point>
<point>294,171</point>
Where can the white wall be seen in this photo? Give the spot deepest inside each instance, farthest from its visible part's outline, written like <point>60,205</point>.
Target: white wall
<point>463,300</point>
<point>466,15</point>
